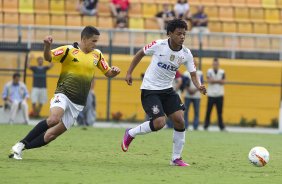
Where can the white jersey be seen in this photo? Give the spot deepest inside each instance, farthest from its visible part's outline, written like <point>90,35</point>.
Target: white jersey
<point>164,64</point>
<point>215,90</point>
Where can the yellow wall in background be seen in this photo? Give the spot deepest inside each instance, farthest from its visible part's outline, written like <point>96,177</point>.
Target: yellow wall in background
<point>252,102</point>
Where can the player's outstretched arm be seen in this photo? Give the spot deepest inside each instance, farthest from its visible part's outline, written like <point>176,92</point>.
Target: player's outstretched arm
<point>47,48</point>
<point>114,71</point>
<point>197,83</point>
<point>137,58</point>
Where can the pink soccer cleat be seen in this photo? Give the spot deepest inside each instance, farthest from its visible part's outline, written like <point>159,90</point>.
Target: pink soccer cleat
<point>179,162</point>
<point>126,140</point>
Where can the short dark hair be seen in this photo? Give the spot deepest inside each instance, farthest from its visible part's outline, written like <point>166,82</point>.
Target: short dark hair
<point>89,31</point>
<point>16,75</point>
<point>175,23</point>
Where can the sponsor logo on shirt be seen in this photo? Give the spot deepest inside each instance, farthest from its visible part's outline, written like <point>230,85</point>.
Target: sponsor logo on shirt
<point>75,52</point>
<point>95,56</point>
<point>167,67</point>
<point>104,65</point>
<point>58,52</point>
<point>150,45</point>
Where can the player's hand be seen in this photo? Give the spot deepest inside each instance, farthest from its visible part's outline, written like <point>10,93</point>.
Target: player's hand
<point>48,40</point>
<point>115,71</point>
<point>203,90</point>
<point>128,79</point>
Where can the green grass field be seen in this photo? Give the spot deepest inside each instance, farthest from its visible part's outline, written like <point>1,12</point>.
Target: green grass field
<point>94,156</point>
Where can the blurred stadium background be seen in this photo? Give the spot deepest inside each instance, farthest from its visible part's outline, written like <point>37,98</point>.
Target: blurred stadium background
<point>245,34</point>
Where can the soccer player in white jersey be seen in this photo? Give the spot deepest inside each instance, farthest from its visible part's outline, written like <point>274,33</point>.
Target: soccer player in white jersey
<point>158,97</point>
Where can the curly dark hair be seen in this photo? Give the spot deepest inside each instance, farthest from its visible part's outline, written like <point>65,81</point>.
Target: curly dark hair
<point>175,23</point>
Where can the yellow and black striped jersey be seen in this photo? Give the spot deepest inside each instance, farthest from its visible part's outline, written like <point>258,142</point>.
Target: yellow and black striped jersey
<point>77,71</point>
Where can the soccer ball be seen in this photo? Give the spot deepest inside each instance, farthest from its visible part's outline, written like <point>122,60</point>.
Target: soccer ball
<point>259,156</point>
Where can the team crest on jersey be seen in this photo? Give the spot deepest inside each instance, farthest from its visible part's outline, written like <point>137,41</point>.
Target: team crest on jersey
<point>172,57</point>
<point>95,61</point>
<point>180,59</point>
<point>155,109</point>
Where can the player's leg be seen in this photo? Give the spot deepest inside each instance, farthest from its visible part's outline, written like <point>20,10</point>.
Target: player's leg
<point>174,108</point>
<point>57,108</point>
<point>35,138</point>
<point>61,119</point>
<point>13,111</point>
<point>219,106</point>
<point>24,108</point>
<point>42,99</point>
<point>46,137</point>
<point>186,112</point>
<point>208,112</point>
<point>153,107</point>
<point>34,99</point>
<point>178,138</point>
<point>196,104</point>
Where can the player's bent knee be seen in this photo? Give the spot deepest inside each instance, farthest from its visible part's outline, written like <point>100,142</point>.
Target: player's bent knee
<point>179,124</point>
<point>159,123</point>
<point>49,137</point>
<point>53,120</point>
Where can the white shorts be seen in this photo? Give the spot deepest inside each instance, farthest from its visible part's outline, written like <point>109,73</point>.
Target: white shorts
<point>71,109</point>
<point>39,95</point>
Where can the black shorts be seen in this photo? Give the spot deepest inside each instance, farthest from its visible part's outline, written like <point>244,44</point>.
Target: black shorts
<point>157,103</point>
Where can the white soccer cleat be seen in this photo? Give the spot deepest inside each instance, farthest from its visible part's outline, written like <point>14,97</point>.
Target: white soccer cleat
<point>17,151</point>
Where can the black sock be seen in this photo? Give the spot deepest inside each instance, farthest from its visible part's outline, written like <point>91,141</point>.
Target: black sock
<point>35,132</point>
<point>152,126</point>
<point>180,130</point>
<point>37,142</point>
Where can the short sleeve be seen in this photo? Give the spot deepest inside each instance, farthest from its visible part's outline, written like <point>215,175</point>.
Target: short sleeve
<point>190,65</point>
<point>46,68</point>
<point>58,53</point>
<point>103,65</point>
<point>151,48</point>
<point>32,68</point>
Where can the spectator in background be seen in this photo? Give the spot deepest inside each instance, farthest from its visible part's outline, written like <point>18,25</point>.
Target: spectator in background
<point>181,9</point>
<point>88,7</point>
<point>164,16</point>
<point>15,95</point>
<point>121,20</point>
<point>200,21</point>
<point>119,9</point>
<point>39,91</point>
<point>215,92</point>
<point>87,116</point>
<point>192,95</point>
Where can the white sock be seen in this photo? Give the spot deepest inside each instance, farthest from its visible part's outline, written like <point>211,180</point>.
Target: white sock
<point>144,128</point>
<point>178,144</point>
